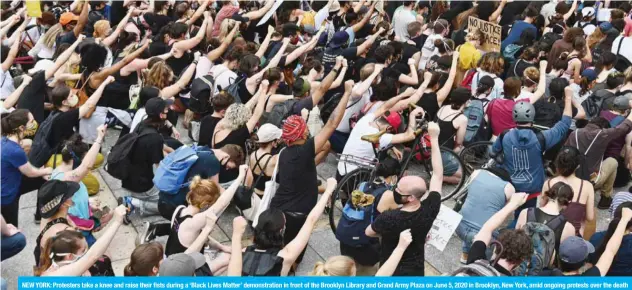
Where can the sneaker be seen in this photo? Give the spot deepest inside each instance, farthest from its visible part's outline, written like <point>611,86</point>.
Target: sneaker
<point>147,233</point>
<point>37,220</point>
<point>604,202</point>
<point>127,201</point>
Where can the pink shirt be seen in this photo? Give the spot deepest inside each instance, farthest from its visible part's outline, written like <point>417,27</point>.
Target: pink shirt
<point>224,13</point>
<point>628,26</point>
<point>499,112</point>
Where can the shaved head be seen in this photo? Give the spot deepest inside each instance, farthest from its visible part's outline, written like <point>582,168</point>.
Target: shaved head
<point>413,185</point>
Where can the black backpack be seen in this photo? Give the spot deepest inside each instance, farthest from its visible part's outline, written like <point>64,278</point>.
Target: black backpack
<point>119,162</point>
<point>547,114</point>
<point>41,150</point>
<point>202,89</point>
<point>594,104</point>
<point>233,89</point>
<point>548,39</point>
<point>261,262</point>
<point>279,112</point>
<point>622,63</point>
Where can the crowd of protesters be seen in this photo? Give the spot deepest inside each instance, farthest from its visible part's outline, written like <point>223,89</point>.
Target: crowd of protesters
<point>267,93</point>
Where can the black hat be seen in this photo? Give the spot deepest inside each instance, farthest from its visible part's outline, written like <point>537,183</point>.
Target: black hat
<point>53,194</point>
<point>155,107</point>
<point>290,29</point>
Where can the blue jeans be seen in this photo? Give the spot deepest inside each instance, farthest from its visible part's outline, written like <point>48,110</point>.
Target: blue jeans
<point>12,245</point>
<point>467,233</point>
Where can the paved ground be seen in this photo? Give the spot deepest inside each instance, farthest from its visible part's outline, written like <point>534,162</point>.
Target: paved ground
<point>321,245</point>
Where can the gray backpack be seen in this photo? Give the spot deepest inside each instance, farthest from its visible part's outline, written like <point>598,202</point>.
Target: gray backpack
<point>480,268</point>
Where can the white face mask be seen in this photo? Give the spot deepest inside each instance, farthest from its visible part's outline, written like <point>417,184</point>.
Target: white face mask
<point>73,100</point>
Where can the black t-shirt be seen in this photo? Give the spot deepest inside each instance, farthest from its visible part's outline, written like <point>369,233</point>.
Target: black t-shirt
<point>430,104</point>
<point>391,72</point>
<point>207,127</point>
<point>66,37</point>
<point>239,138</point>
<point>298,184</point>
<point>511,11</point>
<point>391,223</point>
<point>478,252</point>
<point>329,57</point>
<point>364,32</point>
<point>158,48</point>
<point>178,65</point>
<point>592,271</point>
<point>34,96</point>
<point>63,126</point>
<point>146,152</point>
<point>518,68</point>
<point>357,66</point>
<point>159,22</point>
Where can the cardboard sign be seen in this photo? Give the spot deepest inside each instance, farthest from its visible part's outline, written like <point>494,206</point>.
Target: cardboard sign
<point>274,8</point>
<point>443,228</point>
<point>491,31</point>
<point>33,8</point>
<point>603,14</point>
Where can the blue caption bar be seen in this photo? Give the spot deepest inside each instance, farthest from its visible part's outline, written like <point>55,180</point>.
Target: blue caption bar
<point>324,283</point>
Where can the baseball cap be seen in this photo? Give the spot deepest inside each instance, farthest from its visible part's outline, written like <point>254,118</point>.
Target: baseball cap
<point>575,250</point>
<point>67,17</point>
<point>605,27</point>
<point>155,107</point>
<point>589,74</point>
<point>335,6</point>
<point>621,103</point>
<point>394,120</point>
<point>181,264</point>
<point>290,29</point>
<point>53,194</point>
<point>339,39</point>
<point>588,11</point>
<point>41,65</point>
<point>268,133</point>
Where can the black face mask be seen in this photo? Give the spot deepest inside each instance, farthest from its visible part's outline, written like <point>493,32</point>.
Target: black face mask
<point>397,197</point>
<point>225,164</point>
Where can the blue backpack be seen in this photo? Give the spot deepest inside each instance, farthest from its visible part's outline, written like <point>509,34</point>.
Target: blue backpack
<point>173,169</point>
<point>477,129</point>
<point>510,52</point>
<point>543,239</point>
<point>354,221</point>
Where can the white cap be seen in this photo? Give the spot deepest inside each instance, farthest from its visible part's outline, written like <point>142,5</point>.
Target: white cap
<point>268,133</point>
<point>588,12</point>
<point>41,65</point>
<point>335,6</point>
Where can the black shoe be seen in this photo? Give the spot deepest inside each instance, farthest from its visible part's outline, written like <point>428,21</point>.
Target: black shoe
<point>37,219</point>
<point>147,233</point>
<point>604,203</point>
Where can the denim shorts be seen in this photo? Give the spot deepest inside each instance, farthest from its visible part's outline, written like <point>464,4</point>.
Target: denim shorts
<point>450,164</point>
<point>467,233</point>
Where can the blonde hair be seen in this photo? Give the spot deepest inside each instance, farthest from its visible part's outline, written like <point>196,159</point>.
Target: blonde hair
<point>596,37</point>
<point>236,116</point>
<point>51,35</point>
<point>492,62</point>
<point>159,75</point>
<point>202,192</point>
<point>101,28</point>
<point>225,28</point>
<point>475,34</point>
<point>366,71</point>
<point>531,76</point>
<point>628,75</point>
<point>335,266</point>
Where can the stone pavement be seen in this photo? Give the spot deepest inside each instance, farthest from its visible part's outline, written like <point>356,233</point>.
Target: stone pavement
<point>322,243</point>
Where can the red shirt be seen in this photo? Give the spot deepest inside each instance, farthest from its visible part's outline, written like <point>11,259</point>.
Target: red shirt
<point>499,113</point>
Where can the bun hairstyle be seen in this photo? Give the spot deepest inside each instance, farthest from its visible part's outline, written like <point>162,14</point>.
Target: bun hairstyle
<point>144,259</point>
<point>202,192</point>
<point>335,266</point>
<point>12,122</point>
<point>444,46</point>
<point>560,192</point>
<point>567,161</point>
<point>268,233</point>
<point>531,76</point>
<point>530,53</point>
<point>74,148</point>
<point>64,242</point>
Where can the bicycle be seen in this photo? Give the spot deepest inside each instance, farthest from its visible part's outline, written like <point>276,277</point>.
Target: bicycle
<point>367,167</point>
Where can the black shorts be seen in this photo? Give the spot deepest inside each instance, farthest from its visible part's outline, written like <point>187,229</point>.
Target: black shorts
<point>368,255</point>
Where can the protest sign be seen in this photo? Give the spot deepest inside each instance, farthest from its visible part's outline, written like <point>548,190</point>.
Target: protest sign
<point>274,8</point>
<point>33,8</point>
<point>443,227</point>
<point>491,31</point>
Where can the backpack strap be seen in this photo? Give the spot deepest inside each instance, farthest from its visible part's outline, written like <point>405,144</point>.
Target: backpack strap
<point>556,222</point>
<point>531,215</point>
<point>49,225</point>
<point>177,213</point>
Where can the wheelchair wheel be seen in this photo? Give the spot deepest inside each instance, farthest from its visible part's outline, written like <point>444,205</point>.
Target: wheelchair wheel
<point>341,194</point>
<point>476,155</point>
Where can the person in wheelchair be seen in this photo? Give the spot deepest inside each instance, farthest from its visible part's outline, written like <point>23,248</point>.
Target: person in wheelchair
<point>382,128</point>
<point>519,149</point>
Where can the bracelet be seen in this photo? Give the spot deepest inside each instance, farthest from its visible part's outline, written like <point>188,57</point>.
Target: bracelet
<point>337,71</point>
<point>195,62</point>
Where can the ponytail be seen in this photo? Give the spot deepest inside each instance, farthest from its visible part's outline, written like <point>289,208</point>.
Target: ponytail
<point>64,242</point>
<point>584,85</point>
<point>561,192</point>
<point>334,266</point>
<point>12,122</point>
<point>144,259</point>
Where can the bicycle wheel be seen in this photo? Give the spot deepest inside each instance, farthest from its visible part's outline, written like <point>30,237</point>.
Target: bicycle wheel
<point>453,173</point>
<point>348,184</point>
<point>476,155</point>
